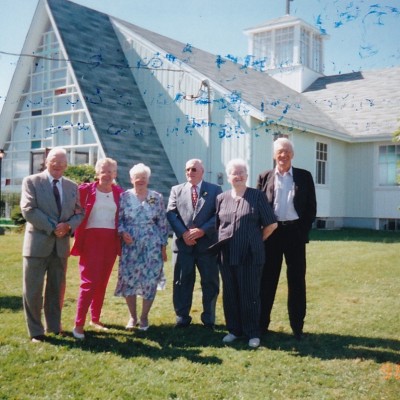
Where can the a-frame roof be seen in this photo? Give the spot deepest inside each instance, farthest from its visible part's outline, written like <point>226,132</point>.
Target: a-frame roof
<point>110,91</point>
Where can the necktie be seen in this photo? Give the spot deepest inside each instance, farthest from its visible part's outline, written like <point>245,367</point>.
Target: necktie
<point>194,196</point>
<point>57,195</point>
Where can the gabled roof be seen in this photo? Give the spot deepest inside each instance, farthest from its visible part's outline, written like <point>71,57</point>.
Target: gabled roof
<point>267,98</point>
<point>365,104</point>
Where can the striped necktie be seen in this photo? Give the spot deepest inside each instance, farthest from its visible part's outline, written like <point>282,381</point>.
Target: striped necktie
<point>194,196</point>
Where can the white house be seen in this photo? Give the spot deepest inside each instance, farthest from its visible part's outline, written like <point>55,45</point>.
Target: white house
<point>100,86</point>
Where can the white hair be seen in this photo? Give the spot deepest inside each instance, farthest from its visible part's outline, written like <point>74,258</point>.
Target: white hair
<point>195,161</point>
<point>283,142</point>
<point>55,151</point>
<point>236,162</point>
<point>140,169</point>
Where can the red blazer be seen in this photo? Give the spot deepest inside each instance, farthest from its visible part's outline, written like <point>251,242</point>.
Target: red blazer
<point>87,194</point>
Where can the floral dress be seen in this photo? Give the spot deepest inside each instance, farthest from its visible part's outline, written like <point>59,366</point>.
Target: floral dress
<point>141,264</point>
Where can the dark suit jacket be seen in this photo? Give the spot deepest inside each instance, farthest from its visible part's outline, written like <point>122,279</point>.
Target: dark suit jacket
<point>181,216</point>
<point>39,208</point>
<point>304,200</point>
<point>240,224</point>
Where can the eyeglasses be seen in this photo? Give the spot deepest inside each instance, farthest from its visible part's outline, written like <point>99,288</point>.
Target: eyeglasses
<point>191,169</point>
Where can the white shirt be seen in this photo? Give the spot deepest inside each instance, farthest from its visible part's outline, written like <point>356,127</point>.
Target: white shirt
<point>103,211</point>
<point>284,193</point>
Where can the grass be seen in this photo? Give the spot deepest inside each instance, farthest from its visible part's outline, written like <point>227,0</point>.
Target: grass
<point>351,350</point>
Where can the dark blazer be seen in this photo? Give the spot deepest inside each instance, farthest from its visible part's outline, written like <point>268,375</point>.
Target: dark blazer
<point>181,216</point>
<point>87,193</point>
<point>39,208</point>
<point>240,223</point>
<point>304,200</point>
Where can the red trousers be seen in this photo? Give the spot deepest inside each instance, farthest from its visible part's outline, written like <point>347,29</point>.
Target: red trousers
<point>95,264</point>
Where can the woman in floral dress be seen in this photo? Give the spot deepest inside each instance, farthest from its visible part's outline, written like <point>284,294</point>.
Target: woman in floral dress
<point>143,228</point>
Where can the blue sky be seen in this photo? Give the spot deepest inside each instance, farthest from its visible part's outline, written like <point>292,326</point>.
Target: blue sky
<point>362,34</point>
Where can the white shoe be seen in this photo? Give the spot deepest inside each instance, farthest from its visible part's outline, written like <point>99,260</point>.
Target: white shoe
<point>254,342</point>
<point>77,335</point>
<point>98,326</point>
<point>132,323</point>
<point>143,326</point>
<point>229,338</point>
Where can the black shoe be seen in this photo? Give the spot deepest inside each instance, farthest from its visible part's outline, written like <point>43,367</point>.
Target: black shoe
<point>39,339</point>
<point>209,326</point>
<point>298,335</point>
<point>182,324</point>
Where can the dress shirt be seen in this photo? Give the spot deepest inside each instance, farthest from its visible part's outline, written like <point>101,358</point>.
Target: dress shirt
<point>284,193</point>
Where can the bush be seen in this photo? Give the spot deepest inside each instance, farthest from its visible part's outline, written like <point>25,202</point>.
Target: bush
<point>80,173</point>
<point>16,215</point>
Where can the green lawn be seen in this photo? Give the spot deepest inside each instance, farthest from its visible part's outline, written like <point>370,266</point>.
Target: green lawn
<point>351,350</point>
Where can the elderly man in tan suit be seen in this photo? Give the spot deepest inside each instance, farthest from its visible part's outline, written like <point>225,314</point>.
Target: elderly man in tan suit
<point>50,204</point>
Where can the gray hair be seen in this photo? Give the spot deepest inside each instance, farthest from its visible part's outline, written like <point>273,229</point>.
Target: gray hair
<point>140,169</point>
<point>105,161</point>
<point>283,142</point>
<point>236,162</point>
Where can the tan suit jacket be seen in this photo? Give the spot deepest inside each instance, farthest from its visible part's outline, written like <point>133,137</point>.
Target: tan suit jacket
<point>39,208</point>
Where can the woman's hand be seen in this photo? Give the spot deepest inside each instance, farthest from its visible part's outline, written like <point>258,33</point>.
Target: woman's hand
<point>127,238</point>
<point>164,253</point>
<point>267,231</point>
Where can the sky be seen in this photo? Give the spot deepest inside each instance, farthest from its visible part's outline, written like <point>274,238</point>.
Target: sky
<point>360,34</point>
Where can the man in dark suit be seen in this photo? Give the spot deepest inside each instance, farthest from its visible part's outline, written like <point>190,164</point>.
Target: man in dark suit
<point>191,214</point>
<point>291,193</point>
<point>50,205</point>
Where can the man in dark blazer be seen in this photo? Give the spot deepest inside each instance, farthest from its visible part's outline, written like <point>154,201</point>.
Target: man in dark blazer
<point>50,205</point>
<point>291,194</point>
<point>191,214</point>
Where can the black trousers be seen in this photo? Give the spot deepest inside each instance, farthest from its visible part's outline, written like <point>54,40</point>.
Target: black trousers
<point>286,241</point>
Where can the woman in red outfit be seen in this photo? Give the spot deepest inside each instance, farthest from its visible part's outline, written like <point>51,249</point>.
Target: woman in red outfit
<point>97,243</point>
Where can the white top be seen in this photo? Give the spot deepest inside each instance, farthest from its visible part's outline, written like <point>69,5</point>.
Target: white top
<point>103,211</point>
<point>284,193</point>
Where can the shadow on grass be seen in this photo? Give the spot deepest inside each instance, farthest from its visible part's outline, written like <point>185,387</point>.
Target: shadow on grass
<point>159,342</point>
<point>328,346</point>
<point>360,235</point>
<point>12,303</point>
<point>167,342</point>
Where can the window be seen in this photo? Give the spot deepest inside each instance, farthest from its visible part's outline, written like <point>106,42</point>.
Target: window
<point>305,47</point>
<point>389,165</point>
<point>321,163</point>
<point>389,224</point>
<point>263,47</point>
<point>284,39</point>
<point>317,54</point>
